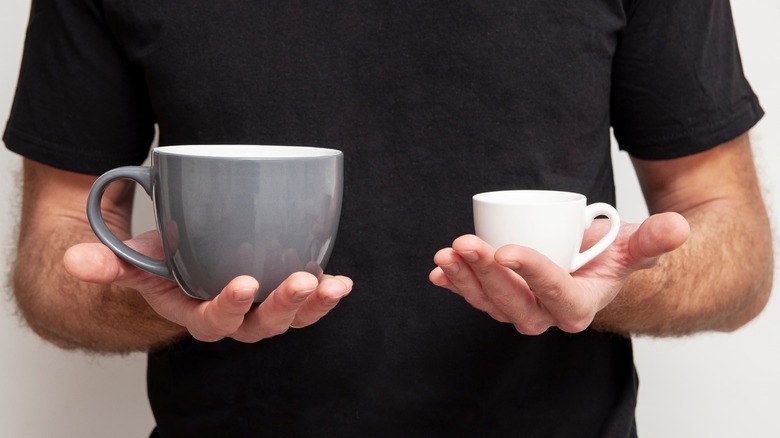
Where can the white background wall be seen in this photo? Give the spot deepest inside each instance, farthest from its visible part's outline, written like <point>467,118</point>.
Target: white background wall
<point>710,385</point>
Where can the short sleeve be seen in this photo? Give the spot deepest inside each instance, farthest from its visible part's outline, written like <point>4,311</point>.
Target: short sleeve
<point>80,104</point>
<point>678,87</point>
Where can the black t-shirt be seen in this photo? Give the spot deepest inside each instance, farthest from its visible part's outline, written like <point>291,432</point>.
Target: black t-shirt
<point>431,102</point>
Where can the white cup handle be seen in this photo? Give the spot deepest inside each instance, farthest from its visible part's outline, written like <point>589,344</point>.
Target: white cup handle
<point>590,213</point>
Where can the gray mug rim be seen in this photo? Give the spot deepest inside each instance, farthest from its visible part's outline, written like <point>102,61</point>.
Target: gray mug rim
<point>246,152</point>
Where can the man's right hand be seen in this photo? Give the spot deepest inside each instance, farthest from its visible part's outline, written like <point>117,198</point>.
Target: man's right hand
<point>301,300</point>
<point>101,304</point>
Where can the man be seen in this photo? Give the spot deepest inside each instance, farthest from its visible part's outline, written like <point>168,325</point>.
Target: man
<point>430,103</point>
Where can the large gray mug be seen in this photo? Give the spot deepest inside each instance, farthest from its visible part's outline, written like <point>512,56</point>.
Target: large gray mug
<point>229,210</point>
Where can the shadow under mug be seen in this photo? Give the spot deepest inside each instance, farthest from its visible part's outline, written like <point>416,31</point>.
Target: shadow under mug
<point>229,210</point>
<point>551,222</point>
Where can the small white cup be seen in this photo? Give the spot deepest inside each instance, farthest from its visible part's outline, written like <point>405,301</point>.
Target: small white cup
<point>550,222</point>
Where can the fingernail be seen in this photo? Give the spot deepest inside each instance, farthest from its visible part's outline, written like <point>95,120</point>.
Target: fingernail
<point>469,256</point>
<point>244,295</point>
<point>331,300</point>
<point>300,296</point>
<point>450,269</point>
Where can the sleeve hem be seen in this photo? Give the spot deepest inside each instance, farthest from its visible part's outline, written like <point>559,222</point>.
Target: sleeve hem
<point>694,140</point>
<point>69,159</point>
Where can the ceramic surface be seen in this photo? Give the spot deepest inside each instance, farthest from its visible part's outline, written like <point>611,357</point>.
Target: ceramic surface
<point>229,210</point>
<point>550,222</point>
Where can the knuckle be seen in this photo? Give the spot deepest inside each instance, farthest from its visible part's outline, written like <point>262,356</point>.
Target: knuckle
<point>246,338</point>
<point>575,325</point>
<point>498,316</point>
<point>478,301</point>
<point>220,327</point>
<point>202,337</point>
<point>218,332</point>
<point>504,300</point>
<point>276,330</point>
<point>555,294</point>
<point>531,327</point>
<point>483,269</point>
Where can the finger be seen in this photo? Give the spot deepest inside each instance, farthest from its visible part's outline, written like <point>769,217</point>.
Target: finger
<point>96,263</point>
<point>456,276</point>
<point>657,235</point>
<point>92,263</point>
<point>439,278</point>
<point>329,293</point>
<point>448,263</point>
<point>276,313</point>
<point>222,316</point>
<point>506,291</point>
<point>554,289</point>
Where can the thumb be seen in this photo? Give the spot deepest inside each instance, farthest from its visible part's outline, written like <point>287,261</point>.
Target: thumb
<point>92,263</point>
<point>659,234</point>
<point>96,263</point>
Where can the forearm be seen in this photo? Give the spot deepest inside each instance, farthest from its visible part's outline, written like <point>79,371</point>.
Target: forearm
<point>718,280</point>
<point>60,308</point>
<point>77,315</point>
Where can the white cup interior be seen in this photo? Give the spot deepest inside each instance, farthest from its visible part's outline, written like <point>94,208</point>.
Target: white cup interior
<point>527,197</point>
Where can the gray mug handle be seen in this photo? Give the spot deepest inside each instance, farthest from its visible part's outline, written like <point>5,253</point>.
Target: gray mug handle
<point>142,176</point>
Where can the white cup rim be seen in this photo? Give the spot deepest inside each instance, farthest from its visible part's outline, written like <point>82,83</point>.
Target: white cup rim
<point>246,151</point>
<point>528,197</point>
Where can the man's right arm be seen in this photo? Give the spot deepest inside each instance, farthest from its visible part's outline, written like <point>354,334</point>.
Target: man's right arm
<point>58,307</point>
<point>74,292</point>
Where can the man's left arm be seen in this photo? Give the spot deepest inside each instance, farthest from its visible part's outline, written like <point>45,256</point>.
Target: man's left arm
<point>721,277</point>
